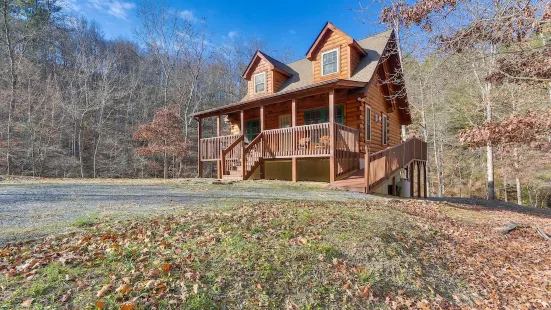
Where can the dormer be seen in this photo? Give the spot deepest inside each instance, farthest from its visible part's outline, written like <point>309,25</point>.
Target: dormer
<point>334,54</point>
<point>265,75</point>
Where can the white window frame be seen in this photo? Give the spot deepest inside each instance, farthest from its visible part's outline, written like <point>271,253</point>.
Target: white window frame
<point>338,61</point>
<point>254,83</point>
<point>384,133</point>
<point>365,121</point>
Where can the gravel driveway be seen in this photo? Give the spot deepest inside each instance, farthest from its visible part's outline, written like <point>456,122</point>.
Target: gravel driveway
<point>33,209</point>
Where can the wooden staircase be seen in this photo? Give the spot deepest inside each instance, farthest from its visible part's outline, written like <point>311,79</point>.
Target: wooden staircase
<point>239,161</point>
<point>383,166</point>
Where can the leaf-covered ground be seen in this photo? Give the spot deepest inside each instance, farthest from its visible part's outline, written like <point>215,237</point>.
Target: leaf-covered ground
<point>291,255</point>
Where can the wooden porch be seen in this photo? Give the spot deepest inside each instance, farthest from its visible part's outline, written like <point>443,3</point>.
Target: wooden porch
<point>237,159</point>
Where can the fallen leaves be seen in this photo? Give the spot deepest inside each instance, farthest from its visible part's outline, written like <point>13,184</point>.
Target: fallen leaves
<point>104,290</point>
<point>263,252</point>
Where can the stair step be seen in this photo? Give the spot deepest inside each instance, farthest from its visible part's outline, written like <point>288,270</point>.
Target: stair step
<point>235,172</point>
<point>232,177</point>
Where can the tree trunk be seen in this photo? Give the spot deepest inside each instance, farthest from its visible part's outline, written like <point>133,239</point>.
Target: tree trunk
<point>13,83</point>
<point>489,148</point>
<point>517,178</point>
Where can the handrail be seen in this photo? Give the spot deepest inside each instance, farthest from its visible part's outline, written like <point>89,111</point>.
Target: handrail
<point>234,144</point>
<point>254,141</point>
<point>252,155</point>
<point>383,164</point>
<point>235,154</point>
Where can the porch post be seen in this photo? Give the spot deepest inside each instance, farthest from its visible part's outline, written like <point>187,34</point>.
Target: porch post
<point>332,136</point>
<point>393,186</point>
<point>262,118</point>
<point>199,155</point>
<point>294,168</point>
<point>219,162</point>
<point>293,112</point>
<point>242,120</point>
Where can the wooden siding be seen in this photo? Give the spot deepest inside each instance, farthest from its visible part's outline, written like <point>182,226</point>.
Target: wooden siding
<point>262,66</point>
<point>331,41</point>
<point>278,80</point>
<point>355,58</point>
<point>378,105</point>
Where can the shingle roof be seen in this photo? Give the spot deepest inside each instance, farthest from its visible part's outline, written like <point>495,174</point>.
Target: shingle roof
<point>301,70</point>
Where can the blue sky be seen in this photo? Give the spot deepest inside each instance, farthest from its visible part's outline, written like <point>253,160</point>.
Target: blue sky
<point>281,24</point>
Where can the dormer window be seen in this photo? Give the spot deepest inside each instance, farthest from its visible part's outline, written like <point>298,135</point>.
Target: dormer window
<point>330,62</point>
<point>260,83</point>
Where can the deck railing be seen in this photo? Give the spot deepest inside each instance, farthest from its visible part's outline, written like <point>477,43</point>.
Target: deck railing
<point>303,141</point>
<point>382,165</point>
<point>231,156</point>
<point>211,147</point>
<point>347,149</point>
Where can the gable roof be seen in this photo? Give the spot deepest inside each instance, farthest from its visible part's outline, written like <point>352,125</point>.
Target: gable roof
<point>302,74</point>
<point>328,28</point>
<point>275,64</point>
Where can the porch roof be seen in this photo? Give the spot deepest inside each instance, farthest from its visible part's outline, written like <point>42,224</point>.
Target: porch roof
<point>281,96</point>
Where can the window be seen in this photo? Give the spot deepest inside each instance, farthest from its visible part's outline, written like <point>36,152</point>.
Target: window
<point>260,83</point>
<point>285,121</point>
<point>252,129</point>
<point>367,123</point>
<point>330,62</point>
<point>322,116</point>
<point>384,136</point>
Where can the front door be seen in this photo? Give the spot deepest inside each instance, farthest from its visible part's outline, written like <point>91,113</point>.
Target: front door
<point>252,129</point>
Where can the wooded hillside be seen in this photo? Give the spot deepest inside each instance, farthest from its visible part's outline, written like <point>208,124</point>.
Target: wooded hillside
<point>477,74</point>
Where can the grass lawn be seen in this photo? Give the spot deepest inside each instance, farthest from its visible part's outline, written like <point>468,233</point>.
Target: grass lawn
<point>356,254</point>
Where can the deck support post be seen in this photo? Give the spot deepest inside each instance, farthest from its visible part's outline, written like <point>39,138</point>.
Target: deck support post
<point>366,172</point>
<point>419,179</point>
<point>393,186</point>
<point>425,179</point>
<point>294,169</point>
<point>411,178</point>
<point>332,136</point>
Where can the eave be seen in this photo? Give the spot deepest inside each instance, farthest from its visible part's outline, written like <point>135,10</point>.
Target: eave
<point>304,91</point>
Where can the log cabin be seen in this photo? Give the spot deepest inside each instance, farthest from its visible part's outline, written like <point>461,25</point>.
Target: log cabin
<point>334,116</point>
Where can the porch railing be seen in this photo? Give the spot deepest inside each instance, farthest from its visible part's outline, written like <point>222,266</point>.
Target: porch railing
<point>382,165</point>
<point>303,141</point>
<point>347,149</point>
<point>211,147</point>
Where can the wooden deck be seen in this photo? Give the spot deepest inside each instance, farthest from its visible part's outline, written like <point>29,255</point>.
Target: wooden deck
<point>352,183</point>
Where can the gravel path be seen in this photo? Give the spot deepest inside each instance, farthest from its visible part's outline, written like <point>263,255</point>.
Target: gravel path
<point>29,210</point>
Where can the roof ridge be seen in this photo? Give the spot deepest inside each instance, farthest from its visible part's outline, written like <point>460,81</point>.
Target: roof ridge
<point>376,34</point>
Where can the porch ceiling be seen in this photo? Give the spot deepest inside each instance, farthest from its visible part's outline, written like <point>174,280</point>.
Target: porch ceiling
<point>309,90</point>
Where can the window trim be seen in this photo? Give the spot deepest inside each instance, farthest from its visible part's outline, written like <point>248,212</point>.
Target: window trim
<point>365,121</point>
<point>338,50</point>
<point>384,129</point>
<point>254,83</point>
